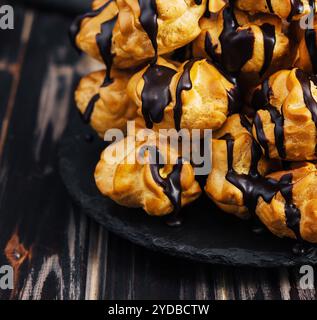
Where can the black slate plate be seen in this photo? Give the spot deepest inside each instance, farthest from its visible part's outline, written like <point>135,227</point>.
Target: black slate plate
<point>207,234</point>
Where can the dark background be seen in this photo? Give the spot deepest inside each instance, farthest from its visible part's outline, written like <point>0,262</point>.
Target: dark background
<point>56,251</point>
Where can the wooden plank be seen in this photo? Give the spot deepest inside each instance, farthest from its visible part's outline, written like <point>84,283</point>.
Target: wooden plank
<point>11,60</point>
<point>40,236</point>
<point>96,262</point>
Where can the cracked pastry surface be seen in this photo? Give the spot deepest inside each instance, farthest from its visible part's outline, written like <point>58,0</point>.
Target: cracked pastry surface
<point>105,107</point>
<point>242,44</point>
<point>158,189</point>
<point>194,95</point>
<point>285,123</point>
<point>130,32</point>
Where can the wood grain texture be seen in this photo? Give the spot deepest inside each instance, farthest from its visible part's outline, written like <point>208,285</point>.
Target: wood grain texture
<point>56,251</point>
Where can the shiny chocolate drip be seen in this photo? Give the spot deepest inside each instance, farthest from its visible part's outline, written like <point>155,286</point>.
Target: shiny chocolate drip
<point>210,49</point>
<point>75,26</point>
<point>268,31</point>
<point>183,54</point>
<point>156,95</point>
<point>269,5</point>
<point>207,13</point>
<point>253,186</point>
<point>261,100</point>
<point>171,184</point>
<point>90,108</point>
<point>245,123</point>
<point>310,102</point>
<point>148,20</point>
<point>198,2</point>
<point>292,213</point>
<point>297,7</point>
<point>305,81</point>
<point>236,46</point>
<point>234,100</point>
<point>261,135</point>
<point>311,41</point>
<point>184,83</point>
<point>104,42</point>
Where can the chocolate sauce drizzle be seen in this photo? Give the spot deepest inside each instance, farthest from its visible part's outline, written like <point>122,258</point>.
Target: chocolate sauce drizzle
<point>148,20</point>
<point>261,100</point>
<point>75,26</point>
<point>297,7</point>
<point>253,186</point>
<point>310,102</point>
<point>171,184</point>
<point>184,83</point>
<point>237,46</point>
<point>269,5</point>
<point>311,41</point>
<point>156,95</point>
<point>305,81</point>
<point>104,43</point>
<point>269,39</point>
<point>86,116</point>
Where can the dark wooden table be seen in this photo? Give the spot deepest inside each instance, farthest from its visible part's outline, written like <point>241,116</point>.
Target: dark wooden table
<point>55,250</point>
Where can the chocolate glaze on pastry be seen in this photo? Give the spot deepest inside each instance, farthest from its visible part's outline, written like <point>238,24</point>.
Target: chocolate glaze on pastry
<point>105,107</point>
<point>261,192</point>
<point>148,19</point>
<point>261,100</point>
<point>253,186</point>
<point>171,183</point>
<point>104,43</point>
<point>195,95</point>
<point>240,43</point>
<point>292,212</point>
<point>268,31</point>
<point>141,29</point>
<point>86,116</point>
<point>184,83</point>
<point>248,46</point>
<point>305,81</point>
<point>310,40</point>
<point>103,39</point>
<point>287,9</point>
<point>306,49</point>
<point>297,7</point>
<point>75,26</point>
<point>160,187</point>
<point>156,95</point>
<point>290,145</point>
<point>236,180</point>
